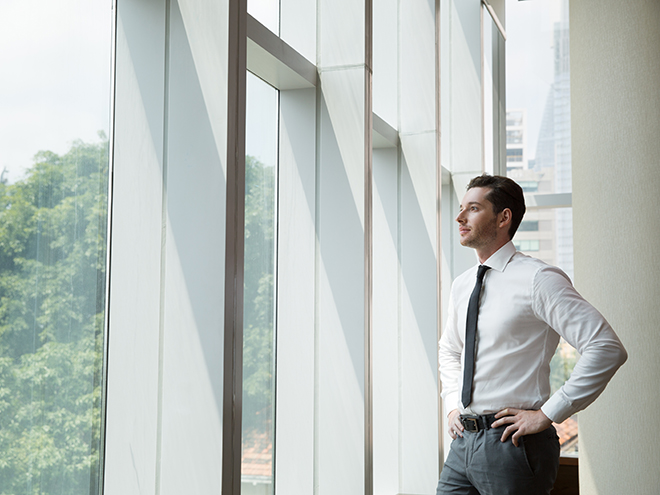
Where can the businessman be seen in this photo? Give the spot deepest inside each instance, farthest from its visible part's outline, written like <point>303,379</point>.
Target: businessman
<point>506,316</point>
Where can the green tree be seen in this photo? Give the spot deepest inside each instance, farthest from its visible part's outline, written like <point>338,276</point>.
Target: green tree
<point>259,297</point>
<point>52,298</point>
<point>561,365</point>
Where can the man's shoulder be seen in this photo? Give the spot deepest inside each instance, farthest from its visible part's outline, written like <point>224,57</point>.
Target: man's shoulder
<point>534,267</point>
<point>527,262</point>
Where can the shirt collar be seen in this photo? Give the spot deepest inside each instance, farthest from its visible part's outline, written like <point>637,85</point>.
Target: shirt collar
<point>501,257</point>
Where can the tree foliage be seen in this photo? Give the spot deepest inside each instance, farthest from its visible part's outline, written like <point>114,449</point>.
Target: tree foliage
<point>52,297</point>
<point>259,296</point>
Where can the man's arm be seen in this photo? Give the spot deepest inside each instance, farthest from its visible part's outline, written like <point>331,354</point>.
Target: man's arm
<point>449,359</point>
<point>558,303</point>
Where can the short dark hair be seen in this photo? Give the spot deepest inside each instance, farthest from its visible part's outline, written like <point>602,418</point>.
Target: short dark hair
<point>504,193</point>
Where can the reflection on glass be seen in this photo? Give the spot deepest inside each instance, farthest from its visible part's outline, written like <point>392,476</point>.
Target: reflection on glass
<point>259,301</point>
<point>53,207</point>
<point>267,12</point>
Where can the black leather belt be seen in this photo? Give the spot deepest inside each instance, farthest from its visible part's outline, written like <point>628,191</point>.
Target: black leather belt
<point>477,423</point>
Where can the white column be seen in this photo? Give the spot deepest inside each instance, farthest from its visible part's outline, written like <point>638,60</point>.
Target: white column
<point>298,26</point>
<point>135,270</point>
<point>615,104</point>
<point>165,368</point>
<point>342,141</point>
<point>461,87</point>
<point>295,375</point>
<point>386,338</point>
<point>193,286</point>
<point>418,258</point>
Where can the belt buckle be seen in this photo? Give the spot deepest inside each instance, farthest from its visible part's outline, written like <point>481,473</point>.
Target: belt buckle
<point>470,424</point>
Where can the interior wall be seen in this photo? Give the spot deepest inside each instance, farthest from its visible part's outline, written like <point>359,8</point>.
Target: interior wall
<point>615,76</point>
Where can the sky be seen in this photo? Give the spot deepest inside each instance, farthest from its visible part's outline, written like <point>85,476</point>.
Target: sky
<point>267,12</point>
<point>262,110</point>
<point>55,80</point>
<point>530,59</point>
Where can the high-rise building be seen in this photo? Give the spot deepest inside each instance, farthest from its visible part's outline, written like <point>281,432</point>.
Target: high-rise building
<point>516,139</point>
<point>553,150</point>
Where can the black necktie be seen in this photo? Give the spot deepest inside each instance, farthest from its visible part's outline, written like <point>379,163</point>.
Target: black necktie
<point>470,336</point>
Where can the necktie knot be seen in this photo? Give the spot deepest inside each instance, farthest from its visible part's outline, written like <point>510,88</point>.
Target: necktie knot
<point>481,272</point>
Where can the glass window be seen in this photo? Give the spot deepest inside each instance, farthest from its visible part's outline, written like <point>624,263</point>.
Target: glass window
<point>267,12</point>
<point>54,119</point>
<point>529,226</point>
<point>259,302</point>
<point>527,245</point>
<point>514,136</point>
<point>529,185</point>
<point>538,89</point>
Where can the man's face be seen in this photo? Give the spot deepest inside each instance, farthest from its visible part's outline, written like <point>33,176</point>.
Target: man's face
<point>477,222</point>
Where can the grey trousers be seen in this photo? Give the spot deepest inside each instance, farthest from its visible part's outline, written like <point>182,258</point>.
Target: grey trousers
<point>480,464</point>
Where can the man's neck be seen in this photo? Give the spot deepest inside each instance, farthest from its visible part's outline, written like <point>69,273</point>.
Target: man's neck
<point>486,252</point>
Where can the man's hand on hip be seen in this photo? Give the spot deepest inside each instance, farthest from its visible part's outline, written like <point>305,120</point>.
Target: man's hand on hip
<point>455,426</point>
<point>521,422</point>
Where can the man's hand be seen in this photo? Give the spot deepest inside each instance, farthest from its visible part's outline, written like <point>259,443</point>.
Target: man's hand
<point>521,422</point>
<point>455,426</point>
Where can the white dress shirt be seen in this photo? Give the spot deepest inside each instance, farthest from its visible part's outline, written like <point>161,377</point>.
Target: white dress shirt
<point>526,305</point>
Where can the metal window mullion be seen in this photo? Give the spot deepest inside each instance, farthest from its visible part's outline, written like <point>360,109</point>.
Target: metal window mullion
<point>368,251</point>
<point>108,257</point>
<point>438,221</point>
<point>234,255</point>
<point>483,90</point>
<point>496,19</point>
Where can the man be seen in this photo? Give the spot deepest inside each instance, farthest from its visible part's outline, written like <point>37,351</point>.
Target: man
<point>495,369</point>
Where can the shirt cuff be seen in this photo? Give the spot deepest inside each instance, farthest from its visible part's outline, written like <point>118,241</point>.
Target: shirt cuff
<point>558,408</point>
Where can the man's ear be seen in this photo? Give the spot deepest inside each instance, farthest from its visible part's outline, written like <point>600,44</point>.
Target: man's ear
<point>505,218</point>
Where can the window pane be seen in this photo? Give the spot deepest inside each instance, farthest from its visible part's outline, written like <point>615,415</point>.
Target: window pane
<point>538,120</point>
<point>54,116</point>
<point>259,301</point>
<point>267,12</point>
